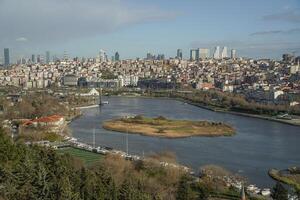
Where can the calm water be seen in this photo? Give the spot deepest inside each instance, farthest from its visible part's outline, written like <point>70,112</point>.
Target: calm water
<point>257,146</point>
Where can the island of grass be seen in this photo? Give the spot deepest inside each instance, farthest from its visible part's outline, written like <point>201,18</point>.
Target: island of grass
<point>169,128</point>
<point>290,176</point>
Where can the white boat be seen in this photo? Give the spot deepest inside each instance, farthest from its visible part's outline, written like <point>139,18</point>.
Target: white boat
<point>266,192</point>
<point>251,188</point>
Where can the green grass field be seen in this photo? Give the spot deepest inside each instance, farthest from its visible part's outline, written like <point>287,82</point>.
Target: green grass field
<point>87,157</point>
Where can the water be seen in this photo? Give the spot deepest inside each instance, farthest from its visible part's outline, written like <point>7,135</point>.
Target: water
<point>258,145</point>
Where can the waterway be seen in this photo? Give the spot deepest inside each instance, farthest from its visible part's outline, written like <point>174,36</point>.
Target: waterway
<point>258,145</point>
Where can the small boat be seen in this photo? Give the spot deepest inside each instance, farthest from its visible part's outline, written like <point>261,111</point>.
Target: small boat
<point>266,192</point>
<point>251,188</point>
<point>284,116</point>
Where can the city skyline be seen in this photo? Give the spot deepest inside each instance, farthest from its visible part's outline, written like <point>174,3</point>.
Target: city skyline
<point>255,29</point>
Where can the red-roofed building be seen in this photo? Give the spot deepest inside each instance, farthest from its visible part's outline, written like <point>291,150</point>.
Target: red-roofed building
<point>54,121</point>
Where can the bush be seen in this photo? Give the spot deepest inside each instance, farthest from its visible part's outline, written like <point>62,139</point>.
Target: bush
<point>160,118</point>
<point>138,117</point>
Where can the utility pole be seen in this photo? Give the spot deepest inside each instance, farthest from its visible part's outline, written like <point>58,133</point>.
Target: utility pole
<point>127,141</point>
<point>94,138</point>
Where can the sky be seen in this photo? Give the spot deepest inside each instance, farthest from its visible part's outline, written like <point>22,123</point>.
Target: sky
<point>255,28</point>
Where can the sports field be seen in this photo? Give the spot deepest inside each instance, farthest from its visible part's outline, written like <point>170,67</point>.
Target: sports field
<point>87,157</point>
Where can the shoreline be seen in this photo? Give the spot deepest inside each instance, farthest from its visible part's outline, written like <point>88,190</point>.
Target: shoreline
<point>86,107</point>
<point>264,117</point>
<point>275,175</point>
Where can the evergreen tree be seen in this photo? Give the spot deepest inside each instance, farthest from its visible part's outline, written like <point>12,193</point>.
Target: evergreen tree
<point>279,192</point>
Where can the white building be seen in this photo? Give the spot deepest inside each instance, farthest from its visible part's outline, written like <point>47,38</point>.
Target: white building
<point>224,52</point>
<point>204,53</point>
<point>294,69</point>
<point>233,54</point>
<point>217,53</point>
<point>130,80</point>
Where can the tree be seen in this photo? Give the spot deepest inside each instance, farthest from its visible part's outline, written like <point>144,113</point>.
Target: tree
<point>202,191</point>
<point>184,191</point>
<point>279,192</point>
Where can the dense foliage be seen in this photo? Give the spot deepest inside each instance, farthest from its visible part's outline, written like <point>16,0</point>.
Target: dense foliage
<point>40,173</point>
<point>232,102</point>
<point>279,192</point>
<point>33,105</point>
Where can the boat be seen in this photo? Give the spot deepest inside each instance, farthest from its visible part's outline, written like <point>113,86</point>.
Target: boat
<point>285,116</point>
<point>104,102</point>
<point>252,188</point>
<point>266,192</point>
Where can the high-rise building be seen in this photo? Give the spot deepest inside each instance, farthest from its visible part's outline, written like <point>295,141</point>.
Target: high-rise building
<point>217,53</point>
<point>233,54</point>
<point>6,57</point>
<point>194,54</point>
<point>38,59</point>
<point>117,56</point>
<point>66,56</point>
<point>179,54</point>
<point>102,55</point>
<point>47,57</point>
<point>160,57</point>
<point>288,57</point>
<point>32,58</point>
<point>224,52</point>
<point>204,53</point>
<point>149,56</point>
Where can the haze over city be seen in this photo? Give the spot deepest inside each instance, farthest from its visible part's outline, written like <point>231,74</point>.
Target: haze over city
<point>258,29</point>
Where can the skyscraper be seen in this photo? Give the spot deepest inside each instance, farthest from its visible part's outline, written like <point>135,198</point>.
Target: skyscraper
<point>33,58</point>
<point>102,56</point>
<point>160,57</point>
<point>224,52</point>
<point>203,53</point>
<point>149,56</point>
<point>66,56</point>
<point>233,54</point>
<point>117,56</point>
<point>6,57</point>
<point>217,53</point>
<point>194,54</point>
<point>38,59</point>
<point>47,57</point>
<point>179,54</point>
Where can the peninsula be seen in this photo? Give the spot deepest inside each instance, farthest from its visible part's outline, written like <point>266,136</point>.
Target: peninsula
<point>168,128</point>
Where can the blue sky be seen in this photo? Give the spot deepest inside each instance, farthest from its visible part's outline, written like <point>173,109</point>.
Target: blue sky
<point>255,28</point>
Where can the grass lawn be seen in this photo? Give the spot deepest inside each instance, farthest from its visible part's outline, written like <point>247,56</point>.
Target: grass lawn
<point>87,157</point>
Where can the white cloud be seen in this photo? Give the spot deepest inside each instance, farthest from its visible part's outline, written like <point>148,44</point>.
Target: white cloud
<point>275,32</point>
<point>289,15</point>
<point>21,39</point>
